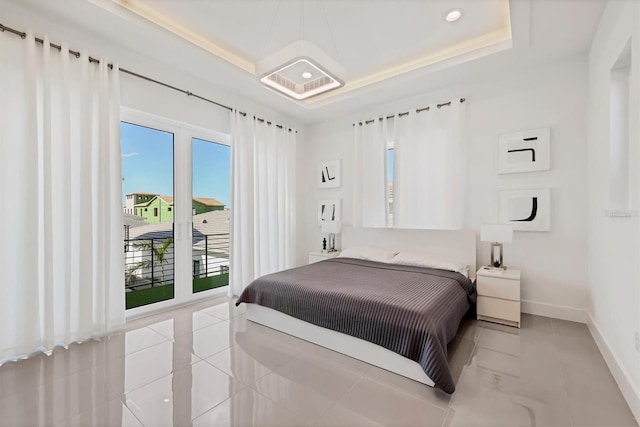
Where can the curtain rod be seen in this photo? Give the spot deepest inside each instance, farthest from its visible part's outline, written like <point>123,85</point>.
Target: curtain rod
<point>75,53</point>
<point>419,110</point>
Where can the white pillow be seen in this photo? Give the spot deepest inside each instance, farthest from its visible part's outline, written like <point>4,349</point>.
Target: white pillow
<point>421,260</point>
<point>370,253</point>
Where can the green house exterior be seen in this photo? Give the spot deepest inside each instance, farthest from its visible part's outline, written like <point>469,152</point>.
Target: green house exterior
<point>160,208</point>
<point>202,205</point>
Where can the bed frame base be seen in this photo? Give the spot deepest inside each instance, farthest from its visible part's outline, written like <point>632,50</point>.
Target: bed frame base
<point>337,341</point>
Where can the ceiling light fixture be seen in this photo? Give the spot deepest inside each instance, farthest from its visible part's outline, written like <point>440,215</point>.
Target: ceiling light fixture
<point>454,15</point>
<point>300,70</point>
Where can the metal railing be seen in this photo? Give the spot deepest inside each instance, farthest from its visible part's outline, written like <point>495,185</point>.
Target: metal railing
<point>149,262</point>
<point>210,255</point>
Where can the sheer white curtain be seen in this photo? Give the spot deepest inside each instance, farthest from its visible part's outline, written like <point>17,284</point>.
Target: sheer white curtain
<point>370,204</point>
<point>430,168</point>
<point>263,216</point>
<point>61,245</point>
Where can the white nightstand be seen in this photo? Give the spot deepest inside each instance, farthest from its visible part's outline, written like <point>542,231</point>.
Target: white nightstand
<point>499,296</point>
<point>319,256</point>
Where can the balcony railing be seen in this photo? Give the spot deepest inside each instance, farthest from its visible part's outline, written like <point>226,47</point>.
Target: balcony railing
<point>148,262</point>
<point>150,267</point>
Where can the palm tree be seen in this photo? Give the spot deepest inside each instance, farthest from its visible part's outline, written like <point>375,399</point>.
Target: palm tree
<point>158,255</point>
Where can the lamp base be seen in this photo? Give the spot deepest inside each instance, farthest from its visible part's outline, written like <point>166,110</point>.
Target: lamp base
<point>496,255</point>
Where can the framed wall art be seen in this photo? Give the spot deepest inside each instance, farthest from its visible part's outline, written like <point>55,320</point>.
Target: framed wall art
<point>329,174</point>
<point>526,210</point>
<point>329,210</point>
<point>525,151</point>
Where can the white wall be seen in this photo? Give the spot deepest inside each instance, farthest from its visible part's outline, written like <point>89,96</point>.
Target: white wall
<point>613,242</point>
<point>553,264</point>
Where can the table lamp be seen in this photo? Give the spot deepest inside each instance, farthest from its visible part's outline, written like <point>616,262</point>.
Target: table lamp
<point>332,228</point>
<point>497,235</point>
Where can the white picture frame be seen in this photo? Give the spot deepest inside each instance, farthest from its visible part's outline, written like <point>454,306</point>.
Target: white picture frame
<point>329,174</point>
<point>526,210</point>
<point>524,151</point>
<point>329,210</point>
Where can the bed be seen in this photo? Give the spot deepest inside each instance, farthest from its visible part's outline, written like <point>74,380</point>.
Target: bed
<point>398,317</point>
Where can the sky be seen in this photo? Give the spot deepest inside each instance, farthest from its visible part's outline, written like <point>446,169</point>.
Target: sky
<point>147,164</point>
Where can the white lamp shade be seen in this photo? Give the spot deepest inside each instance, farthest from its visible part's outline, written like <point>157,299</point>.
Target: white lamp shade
<point>496,233</point>
<point>333,227</point>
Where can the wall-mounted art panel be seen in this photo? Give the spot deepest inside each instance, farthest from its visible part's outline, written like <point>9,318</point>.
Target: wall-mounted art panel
<point>329,210</point>
<point>525,151</point>
<point>329,174</point>
<point>526,210</point>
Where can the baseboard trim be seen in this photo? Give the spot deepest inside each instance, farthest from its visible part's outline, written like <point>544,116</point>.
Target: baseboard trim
<point>555,311</point>
<point>622,377</point>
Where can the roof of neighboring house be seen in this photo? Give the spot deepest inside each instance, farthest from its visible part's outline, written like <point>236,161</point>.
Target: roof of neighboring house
<point>134,220</point>
<point>205,224</point>
<point>167,199</point>
<point>207,201</point>
<point>141,193</point>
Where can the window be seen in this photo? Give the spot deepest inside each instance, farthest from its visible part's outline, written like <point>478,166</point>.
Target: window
<point>155,267</point>
<point>147,169</point>
<point>619,124</point>
<point>211,187</point>
<point>390,153</point>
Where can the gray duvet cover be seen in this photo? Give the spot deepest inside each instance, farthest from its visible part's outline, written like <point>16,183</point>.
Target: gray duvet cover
<point>412,311</point>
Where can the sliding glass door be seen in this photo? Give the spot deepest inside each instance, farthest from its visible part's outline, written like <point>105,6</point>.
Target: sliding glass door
<point>176,195</point>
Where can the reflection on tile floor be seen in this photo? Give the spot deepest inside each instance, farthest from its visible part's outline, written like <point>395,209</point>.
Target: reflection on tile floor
<point>206,365</point>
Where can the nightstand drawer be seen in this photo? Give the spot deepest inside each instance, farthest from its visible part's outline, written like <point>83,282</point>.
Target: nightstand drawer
<point>499,308</point>
<point>498,287</point>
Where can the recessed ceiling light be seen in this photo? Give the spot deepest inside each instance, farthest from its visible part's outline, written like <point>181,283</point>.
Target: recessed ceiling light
<point>306,75</point>
<point>454,15</point>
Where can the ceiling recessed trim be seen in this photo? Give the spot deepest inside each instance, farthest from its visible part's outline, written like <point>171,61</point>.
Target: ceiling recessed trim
<point>184,32</point>
<point>473,48</point>
<point>466,51</point>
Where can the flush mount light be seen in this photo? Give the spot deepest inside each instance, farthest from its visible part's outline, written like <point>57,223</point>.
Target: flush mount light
<point>454,15</point>
<point>286,71</point>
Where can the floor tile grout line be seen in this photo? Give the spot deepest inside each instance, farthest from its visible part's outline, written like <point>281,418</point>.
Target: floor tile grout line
<point>240,381</point>
<point>337,401</point>
<point>278,404</point>
<point>66,421</point>
<point>446,417</point>
<point>193,330</point>
<point>562,372</point>
<point>453,398</point>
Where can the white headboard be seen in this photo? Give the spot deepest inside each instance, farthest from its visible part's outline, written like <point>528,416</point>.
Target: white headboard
<point>454,245</point>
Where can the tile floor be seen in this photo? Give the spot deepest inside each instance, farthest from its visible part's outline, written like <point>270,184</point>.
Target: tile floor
<point>206,365</point>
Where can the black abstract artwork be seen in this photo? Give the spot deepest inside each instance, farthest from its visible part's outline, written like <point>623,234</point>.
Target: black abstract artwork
<point>519,150</point>
<point>326,176</point>
<point>534,211</point>
<point>328,213</point>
